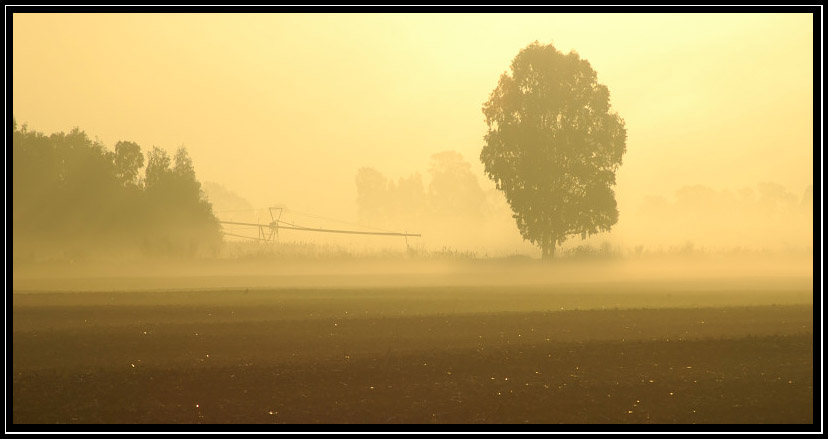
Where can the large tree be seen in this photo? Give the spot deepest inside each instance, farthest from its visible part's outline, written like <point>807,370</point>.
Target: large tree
<point>553,146</point>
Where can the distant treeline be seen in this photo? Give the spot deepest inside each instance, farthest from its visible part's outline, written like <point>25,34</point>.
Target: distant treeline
<point>73,198</point>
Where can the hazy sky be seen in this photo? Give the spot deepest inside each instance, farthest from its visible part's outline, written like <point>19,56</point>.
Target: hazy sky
<point>284,108</point>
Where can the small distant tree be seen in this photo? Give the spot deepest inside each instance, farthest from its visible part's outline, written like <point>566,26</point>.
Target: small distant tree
<point>383,202</point>
<point>372,195</point>
<point>553,146</point>
<point>454,190</point>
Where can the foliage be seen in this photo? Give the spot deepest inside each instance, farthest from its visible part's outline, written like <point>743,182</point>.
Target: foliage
<point>454,189</point>
<point>553,146</point>
<point>453,194</point>
<point>72,197</point>
<point>383,202</point>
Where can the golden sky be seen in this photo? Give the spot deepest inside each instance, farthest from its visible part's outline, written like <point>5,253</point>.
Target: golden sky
<point>284,108</point>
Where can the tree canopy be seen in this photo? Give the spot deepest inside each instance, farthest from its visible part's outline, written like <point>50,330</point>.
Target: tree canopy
<point>72,198</point>
<point>553,146</point>
<point>453,193</point>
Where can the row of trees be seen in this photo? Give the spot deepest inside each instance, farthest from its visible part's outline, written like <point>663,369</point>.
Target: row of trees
<point>453,192</point>
<point>447,204</point>
<point>767,216</point>
<point>72,197</point>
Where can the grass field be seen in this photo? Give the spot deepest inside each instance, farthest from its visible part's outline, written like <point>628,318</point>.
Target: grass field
<point>635,352</point>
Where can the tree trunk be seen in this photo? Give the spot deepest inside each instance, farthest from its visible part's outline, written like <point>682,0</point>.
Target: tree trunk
<point>548,250</point>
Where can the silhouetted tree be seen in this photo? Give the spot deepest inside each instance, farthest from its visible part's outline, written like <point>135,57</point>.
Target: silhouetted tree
<point>128,161</point>
<point>553,146</point>
<point>36,185</point>
<point>454,190</point>
<point>71,196</point>
<point>158,167</point>
<point>182,217</point>
<point>775,199</point>
<point>372,195</point>
<point>408,200</point>
<point>382,202</point>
